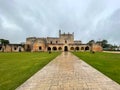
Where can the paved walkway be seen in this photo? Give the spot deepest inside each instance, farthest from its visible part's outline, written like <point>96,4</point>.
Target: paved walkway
<point>67,72</point>
<point>112,52</point>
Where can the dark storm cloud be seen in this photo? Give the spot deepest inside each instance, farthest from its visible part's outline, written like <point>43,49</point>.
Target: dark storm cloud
<point>89,19</point>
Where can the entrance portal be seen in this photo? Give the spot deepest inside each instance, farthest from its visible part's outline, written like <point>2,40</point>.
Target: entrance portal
<point>65,48</point>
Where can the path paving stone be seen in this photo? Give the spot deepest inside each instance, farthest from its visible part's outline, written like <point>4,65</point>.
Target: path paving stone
<point>68,72</point>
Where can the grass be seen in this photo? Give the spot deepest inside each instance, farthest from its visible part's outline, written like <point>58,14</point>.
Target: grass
<point>16,68</point>
<point>107,63</point>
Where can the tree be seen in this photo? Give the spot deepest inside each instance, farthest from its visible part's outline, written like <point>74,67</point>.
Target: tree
<point>3,41</point>
<point>91,42</point>
<point>105,44</point>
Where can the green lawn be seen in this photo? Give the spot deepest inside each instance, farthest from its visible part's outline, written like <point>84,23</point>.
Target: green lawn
<point>15,68</point>
<point>107,63</point>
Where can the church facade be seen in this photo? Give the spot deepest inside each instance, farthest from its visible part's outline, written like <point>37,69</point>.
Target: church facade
<point>65,42</point>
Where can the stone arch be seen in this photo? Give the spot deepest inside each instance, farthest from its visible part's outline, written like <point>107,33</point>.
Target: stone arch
<point>77,48</point>
<point>60,48</point>
<point>72,48</point>
<point>86,48</point>
<point>19,48</point>
<point>28,48</point>
<point>40,48</point>
<point>15,48</point>
<point>82,48</point>
<point>49,48</point>
<point>65,48</point>
<point>54,48</point>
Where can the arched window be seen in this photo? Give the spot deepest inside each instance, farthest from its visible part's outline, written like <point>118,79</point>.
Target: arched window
<point>82,48</point>
<point>54,48</point>
<point>77,48</point>
<point>72,48</point>
<point>86,48</point>
<point>59,48</point>
<point>49,48</point>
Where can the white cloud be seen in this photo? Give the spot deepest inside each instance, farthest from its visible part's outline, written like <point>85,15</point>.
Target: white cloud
<point>89,19</point>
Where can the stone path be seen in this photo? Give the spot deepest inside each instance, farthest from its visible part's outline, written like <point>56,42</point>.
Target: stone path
<point>112,52</point>
<point>67,72</point>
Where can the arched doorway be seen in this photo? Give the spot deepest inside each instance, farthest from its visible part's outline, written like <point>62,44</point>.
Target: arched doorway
<point>77,48</point>
<point>20,49</point>
<point>82,48</point>
<point>49,48</point>
<point>28,48</point>
<point>86,48</point>
<point>59,48</point>
<point>54,48</point>
<point>65,48</point>
<point>72,48</point>
<point>40,48</point>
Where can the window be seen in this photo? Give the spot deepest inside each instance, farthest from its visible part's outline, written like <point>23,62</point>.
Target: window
<point>28,46</point>
<point>56,41</point>
<point>77,48</point>
<point>60,48</point>
<point>49,48</point>
<point>65,41</point>
<point>50,42</point>
<point>54,48</point>
<point>87,48</point>
<point>72,48</point>
<point>82,48</point>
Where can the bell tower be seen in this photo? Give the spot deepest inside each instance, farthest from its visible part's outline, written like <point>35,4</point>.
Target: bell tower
<point>59,33</point>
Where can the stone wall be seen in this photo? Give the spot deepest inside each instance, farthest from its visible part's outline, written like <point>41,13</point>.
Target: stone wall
<point>97,48</point>
<point>11,48</point>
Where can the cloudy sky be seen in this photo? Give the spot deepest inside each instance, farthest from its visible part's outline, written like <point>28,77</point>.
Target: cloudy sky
<point>88,19</point>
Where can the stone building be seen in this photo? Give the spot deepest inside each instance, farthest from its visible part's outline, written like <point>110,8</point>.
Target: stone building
<point>65,42</point>
<point>96,47</point>
<point>12,48</point>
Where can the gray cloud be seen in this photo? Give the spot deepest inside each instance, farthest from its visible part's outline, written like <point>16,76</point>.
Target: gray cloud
<point>89,19</point>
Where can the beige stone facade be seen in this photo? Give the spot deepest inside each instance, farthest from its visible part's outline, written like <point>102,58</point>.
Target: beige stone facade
<point>65,42</point>
<point>12,48</point>
<point>96,47</point>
